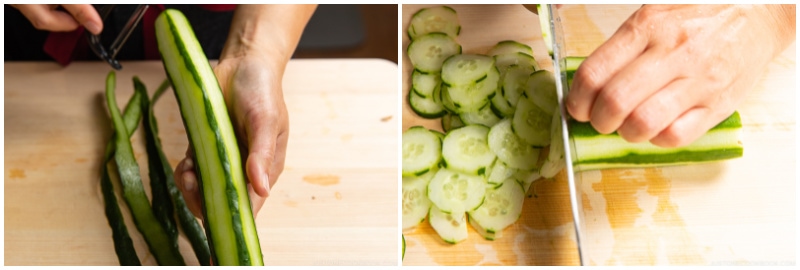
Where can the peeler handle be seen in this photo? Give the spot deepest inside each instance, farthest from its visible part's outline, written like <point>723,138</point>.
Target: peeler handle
<point>109,55</point>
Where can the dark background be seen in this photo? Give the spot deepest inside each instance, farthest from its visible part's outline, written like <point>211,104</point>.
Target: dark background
<point>334,31</point>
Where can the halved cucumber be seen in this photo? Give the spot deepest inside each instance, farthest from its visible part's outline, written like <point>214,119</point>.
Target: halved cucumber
<point>598,151</point>
<point>501,207</point>
<point>510,149</point>
<point>541,90</point>
<point>483,116</point>
<point>475,96</point>
<point>510,46</point>
<point>428,52</point>
<point>531,123</point>
<point>421,151</point>
<point>466,150</point>
<point>230,226</point>
<point>424,83</point>
<point>425,106</point>
<point>466,69</point>
<point>454,192</point>
<point>434,19</point>
<point>544,22</point>
<point>451,227</point>
<point>415,200</point>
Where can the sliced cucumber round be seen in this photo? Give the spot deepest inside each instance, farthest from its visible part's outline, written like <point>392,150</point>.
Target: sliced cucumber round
<point>466,150</point>
<point>428,52</point>
<point>510,46</point>
<point>454,192</point>
<point>541,90</point>
<point>434,19</point>
<point>466,69</point>
<point>501,207</point>
<point>421,151</point>
<point>475,96</point>
<point>415,201</point>
<point>531,123</point>
<point>451,121</point>
<point>488,235</point>
<point>555,158</point>
<point>500,172</point>
<point>425,106</point>
<point>503,61</point>
<point>483,116</point>
<point>525,178</point>
<point>500,105</point>
<point>514,83</point>
<point>424,83</point>
<point>510,149</point>
<point>451,227</point>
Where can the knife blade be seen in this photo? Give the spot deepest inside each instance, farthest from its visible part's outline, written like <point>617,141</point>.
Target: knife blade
<point>560,73</point>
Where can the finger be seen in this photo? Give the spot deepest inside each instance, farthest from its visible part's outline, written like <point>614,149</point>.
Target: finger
<point>43,17</point>
<point>687,128</point>
<point>262,144</point>
<point>186,180</point>
<point>87,16</point>
<point>622,48</point>
<point>659,111</point>
<point>631,86</point>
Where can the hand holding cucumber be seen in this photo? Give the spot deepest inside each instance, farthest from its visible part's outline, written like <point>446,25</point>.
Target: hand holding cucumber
<point>671,72</point>
<point>250,71</point>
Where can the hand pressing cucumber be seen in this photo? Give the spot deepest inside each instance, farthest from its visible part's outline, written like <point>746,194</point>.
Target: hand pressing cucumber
<point>672,72</point>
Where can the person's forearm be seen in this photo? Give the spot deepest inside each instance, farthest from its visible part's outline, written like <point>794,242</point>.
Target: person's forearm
<point>271,31</point>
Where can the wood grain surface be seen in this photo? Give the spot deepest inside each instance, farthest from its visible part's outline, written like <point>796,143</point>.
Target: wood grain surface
<point>334,204</point>
<point>738,212</point>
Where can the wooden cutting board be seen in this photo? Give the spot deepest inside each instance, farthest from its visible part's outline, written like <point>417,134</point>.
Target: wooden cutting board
<point>334,204</point>
<point>738,212</point>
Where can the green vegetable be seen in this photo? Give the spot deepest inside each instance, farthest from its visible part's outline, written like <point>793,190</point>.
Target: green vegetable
<point>228,215</point>
<point>595,151</point>
<point>161,172</point>
<point>133,191</point>
<point>123,245</point>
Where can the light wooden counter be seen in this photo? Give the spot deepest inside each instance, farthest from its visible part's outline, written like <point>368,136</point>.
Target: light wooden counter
<point>335,203</point>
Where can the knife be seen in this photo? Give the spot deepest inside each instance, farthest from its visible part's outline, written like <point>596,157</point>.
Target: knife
<point>560,72</point>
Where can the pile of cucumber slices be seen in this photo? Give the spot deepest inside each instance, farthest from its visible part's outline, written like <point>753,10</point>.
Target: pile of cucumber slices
<point>497,111</point>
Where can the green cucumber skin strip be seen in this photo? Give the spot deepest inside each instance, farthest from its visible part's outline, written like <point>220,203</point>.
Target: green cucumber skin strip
<point>676,158</point>
<point>123,245</point>
<point>161,201</point>
<point>133,190</point>
<point>585,129</point>
<point>191,228</point>
<point>231,230</point>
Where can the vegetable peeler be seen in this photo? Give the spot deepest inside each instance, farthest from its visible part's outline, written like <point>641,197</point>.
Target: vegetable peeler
<point>109,54</point>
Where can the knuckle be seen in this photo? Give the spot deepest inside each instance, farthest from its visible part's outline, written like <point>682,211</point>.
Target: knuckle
<point>41,23</point>
<point>614,104</point>
<point>589,75</point>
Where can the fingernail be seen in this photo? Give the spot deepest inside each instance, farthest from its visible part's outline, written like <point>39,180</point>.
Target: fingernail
<point>189,182</point>
<point>188,164</point>
<point>92,27</point>
<point>265,182</point>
